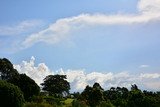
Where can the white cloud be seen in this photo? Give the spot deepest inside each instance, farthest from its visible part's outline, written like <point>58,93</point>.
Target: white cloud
<point>148,10</point>
<point>147,75</point>
<point>79,78</point>
<point>38,73</point>
<point>19,28</point>
<point>143,66</point>
<point>154,84</point>
<point>149,6</point>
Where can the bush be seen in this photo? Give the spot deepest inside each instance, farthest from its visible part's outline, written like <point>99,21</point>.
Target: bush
<point>32,104</point>
<point>106,104</point>
<point>37,99</point>
<point>10,95</point>
<point>53,101</point>
<point>77,103</point>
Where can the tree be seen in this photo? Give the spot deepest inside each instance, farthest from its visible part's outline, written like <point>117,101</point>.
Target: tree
<point>7,72</point>
<point>25,83</point>
<point>86,93</point>
<point>134,87</point>
<point>10,95</point>
<point>28,86</point>
<point>93,95</point>
<point>97,86</point>
<point>135,98</point>
<point>56,84</point>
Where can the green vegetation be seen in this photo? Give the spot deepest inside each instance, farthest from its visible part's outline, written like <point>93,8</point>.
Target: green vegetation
<point>68,102</point>
<point>25,83</point>
<point>28,87</point>
<point>7,72</point>
<point>118,97</point>
<point>56,85</point>
<point>32,104</point>
<point>19,90</point>
<point>10,95</point>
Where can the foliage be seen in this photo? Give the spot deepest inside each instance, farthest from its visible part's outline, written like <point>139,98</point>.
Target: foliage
<point>33,104</point>
<point>121,97</point>
<point>93,95</point>
<point>68,102</point>
<point>7,72</point>
<point>79,103</point>
<point>56,84</point>
<point>28,86</point>
<point>76,95</point>
<point>106,104</point>
<point>53,101</point>
<point>10,95</point>
<point>135,98</point>
<point>37,99</point>
<point>25,83</point>
<point>118,97</point>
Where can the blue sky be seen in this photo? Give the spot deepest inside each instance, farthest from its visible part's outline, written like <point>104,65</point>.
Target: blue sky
<point>99,36</point>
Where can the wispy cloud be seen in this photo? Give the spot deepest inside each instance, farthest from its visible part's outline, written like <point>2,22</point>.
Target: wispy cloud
<point>148,10</point>
<point>150,75</point>
<point>80,78</point>
<point>143,66</point>
<point>19,28</point>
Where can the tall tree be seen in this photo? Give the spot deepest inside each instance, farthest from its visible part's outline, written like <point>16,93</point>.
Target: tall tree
<point>93,95</point>
<point>28,86</point>
<point>97,86</point>
<point>25,83</point>
<point>56,84</point>
<point>7,71</point>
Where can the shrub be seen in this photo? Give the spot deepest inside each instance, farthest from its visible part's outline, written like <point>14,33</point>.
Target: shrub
<point>37,99</point>
<point>10,95</point>
<point>106,104</point>
<point>77,103</point>
<point>53,101</point>
<point>32,104</point>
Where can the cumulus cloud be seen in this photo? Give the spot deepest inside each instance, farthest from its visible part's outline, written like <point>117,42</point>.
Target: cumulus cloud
<point>80,78</point>
<point>38,73</point>
<point>148,10</point>
<point>19,28</point>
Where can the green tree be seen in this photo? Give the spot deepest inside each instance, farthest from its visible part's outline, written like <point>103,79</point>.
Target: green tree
<point>118,96</point>
<point>28,86</point>
<point>56,84</point>
<point>10,95</point>
<point>97,86</point>
<point>7,71</point>
<point>135,98</point>
<point>151,99</point>
<point>93,95</point>
<point>25,83</point>
<point>86,93</point>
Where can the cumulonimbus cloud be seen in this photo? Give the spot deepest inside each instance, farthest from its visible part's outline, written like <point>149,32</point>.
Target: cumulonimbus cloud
<point>80,78</point>
<point>148,10</point>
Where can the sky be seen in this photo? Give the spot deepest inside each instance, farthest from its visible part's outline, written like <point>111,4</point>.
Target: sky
<point>115,43</point>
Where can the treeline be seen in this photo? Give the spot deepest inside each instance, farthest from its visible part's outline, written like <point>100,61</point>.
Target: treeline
<point>19,90</point>
<point>96,96</point>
